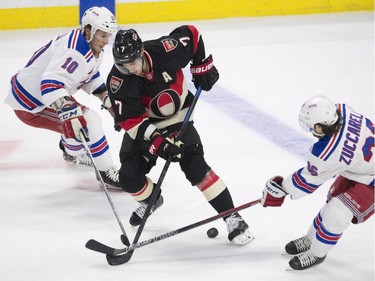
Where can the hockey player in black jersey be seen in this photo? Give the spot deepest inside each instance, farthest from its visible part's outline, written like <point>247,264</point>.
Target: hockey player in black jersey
<point>150,98</point>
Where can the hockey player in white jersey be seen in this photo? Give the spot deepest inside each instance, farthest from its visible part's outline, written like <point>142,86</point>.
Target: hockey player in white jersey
<point>345,149</point>
<point>41,93</point>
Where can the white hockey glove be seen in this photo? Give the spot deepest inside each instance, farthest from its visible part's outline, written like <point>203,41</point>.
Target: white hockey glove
<point>273,194</point>
<point>73,122</point>
<point>107,105</point>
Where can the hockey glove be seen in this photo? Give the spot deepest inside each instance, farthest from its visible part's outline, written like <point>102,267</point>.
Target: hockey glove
<point>108,106</point>
<point>204,73</point>
<point>273,194</point>
<point>73,122</point>
<point>165,147</point>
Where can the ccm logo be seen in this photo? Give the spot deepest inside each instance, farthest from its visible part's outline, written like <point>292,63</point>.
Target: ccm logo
<point>69,114</point>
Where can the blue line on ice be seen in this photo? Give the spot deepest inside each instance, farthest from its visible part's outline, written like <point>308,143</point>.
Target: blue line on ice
<point>259,121</point>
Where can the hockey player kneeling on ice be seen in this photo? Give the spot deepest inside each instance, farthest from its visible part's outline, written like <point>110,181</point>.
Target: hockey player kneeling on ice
<point>150,99</point>
<point>41,93</point>
<point>344,149</point>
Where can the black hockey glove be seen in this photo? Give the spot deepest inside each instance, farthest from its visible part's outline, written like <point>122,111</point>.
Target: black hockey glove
<point>165,147</point>
<point>204,73</point>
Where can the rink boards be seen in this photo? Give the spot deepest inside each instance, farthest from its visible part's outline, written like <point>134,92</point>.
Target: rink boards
<point>26,14</point>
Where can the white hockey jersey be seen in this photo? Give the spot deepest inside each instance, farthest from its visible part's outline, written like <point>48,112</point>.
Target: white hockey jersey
<point>349,153</point>
<point>60,68</point>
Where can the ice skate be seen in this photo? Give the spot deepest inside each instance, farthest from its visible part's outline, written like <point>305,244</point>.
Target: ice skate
<point>238,230</point>
<point>110,178</point>
<point>305,260</point>
<point>298,246</point>
<point>82,159</point>
<point>139,213</point>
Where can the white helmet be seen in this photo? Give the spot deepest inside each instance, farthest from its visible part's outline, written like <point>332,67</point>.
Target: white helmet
<point>99,18</point>
<point>318,109</point>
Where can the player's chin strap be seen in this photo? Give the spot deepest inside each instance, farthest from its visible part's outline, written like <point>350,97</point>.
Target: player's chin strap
<point>124,237</point>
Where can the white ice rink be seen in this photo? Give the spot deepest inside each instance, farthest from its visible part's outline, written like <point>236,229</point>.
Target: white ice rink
<point>249,126</point>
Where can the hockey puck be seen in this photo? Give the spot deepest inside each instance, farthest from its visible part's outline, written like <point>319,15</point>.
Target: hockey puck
<point>212,232</point>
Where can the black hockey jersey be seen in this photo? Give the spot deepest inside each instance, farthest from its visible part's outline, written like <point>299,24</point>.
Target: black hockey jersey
<point>160,97</point>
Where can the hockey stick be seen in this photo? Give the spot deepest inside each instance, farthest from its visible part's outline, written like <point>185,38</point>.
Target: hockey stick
<point>112,260</point>
<point>126,257</point>
<point>124,237</point>
<point>99,247</point>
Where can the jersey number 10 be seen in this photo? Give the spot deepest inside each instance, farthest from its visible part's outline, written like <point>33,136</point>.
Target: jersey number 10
<point>70,65</point>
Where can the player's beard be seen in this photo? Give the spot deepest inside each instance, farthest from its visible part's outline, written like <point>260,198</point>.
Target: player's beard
<point>143,69</point>
<point>145,66</point>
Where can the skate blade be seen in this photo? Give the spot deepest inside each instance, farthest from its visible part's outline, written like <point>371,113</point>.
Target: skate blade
<point>242,240</point>
<point>289,269</point>
<point>110,187</point>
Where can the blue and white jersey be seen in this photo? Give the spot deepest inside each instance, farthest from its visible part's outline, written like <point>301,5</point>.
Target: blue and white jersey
<point>60,68</point>
<point>349,153</point>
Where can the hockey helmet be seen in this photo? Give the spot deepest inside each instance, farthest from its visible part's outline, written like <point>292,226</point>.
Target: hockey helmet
<point>317,110</point>
<point>126,48</point>
<point>99,18</point>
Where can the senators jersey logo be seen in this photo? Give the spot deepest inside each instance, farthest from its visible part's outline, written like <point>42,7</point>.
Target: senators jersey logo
<point>169,44</point>
<point>115,84</point>
<point>165,104</point>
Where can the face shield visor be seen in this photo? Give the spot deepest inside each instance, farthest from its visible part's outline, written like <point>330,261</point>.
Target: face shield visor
<point>305,126</point>
<point>128,67</point>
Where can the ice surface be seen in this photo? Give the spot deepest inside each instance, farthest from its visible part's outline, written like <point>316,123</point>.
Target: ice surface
<point>269,66</point>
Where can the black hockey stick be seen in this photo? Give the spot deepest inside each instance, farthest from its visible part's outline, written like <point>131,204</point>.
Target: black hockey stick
<point>124,238</point>
<point>99,247</point>
<point>113,260</point>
